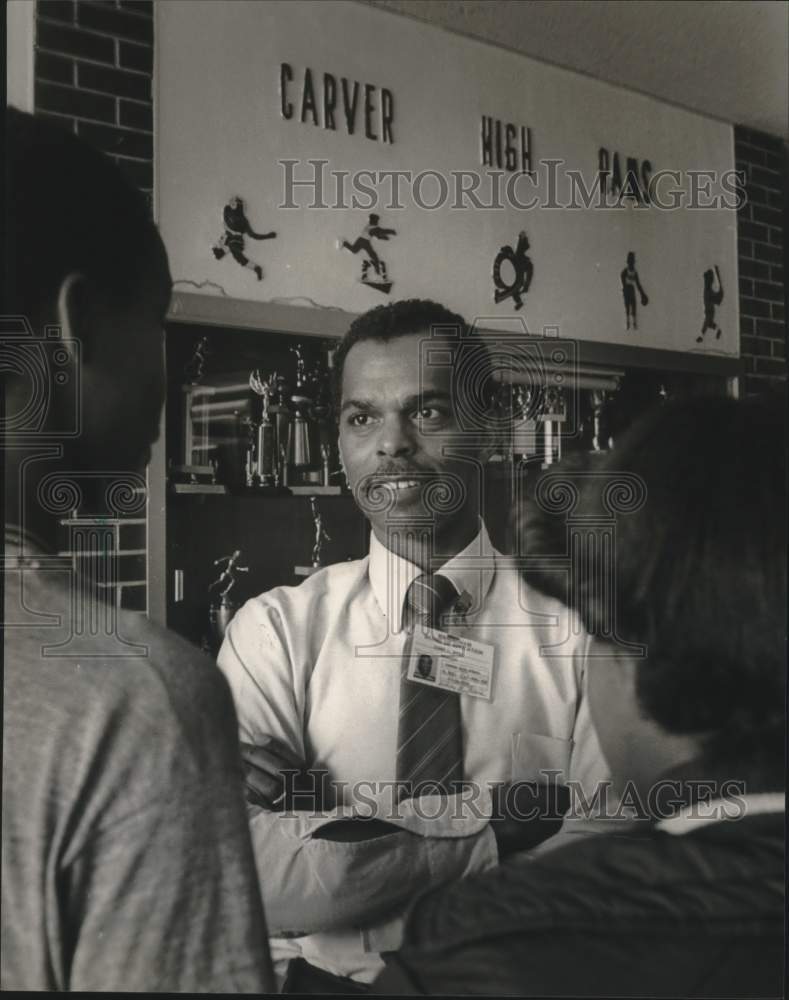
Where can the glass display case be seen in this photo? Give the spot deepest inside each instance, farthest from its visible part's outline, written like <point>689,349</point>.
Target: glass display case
<point>251,461</point>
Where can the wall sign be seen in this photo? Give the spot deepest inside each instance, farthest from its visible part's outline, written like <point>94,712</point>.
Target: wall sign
<point>712,297</point>
<point>505,146</point>
<point>374,272</point>
<point>232,240</point>
<point>521,271</point>
<point>393,158</point>
<point>325,101</point>
<point>632,291</point>
<point>633,182</point>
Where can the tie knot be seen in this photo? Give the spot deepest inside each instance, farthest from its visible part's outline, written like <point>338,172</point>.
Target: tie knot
<point>430,596</point>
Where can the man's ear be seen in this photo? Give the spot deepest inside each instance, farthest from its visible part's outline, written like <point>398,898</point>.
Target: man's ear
<point>73,315</point>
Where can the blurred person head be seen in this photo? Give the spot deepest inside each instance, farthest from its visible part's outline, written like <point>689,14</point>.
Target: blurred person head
<point>700,581</point>
<point>84,255</point>
<point>540,532</point>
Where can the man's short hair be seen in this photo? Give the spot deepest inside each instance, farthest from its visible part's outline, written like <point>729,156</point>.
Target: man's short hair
<point>69,208</point>
<point>409,316</point>
<point>701,571</point>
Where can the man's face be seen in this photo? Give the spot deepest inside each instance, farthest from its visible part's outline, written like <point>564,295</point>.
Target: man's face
<point>399,441</point>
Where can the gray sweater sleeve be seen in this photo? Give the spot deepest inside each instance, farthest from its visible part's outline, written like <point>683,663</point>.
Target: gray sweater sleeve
<point>166,898</point>
<point>127,862</point>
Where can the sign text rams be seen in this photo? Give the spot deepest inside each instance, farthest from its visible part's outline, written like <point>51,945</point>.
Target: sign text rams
<point>635,181</point>
<point>324,103</point>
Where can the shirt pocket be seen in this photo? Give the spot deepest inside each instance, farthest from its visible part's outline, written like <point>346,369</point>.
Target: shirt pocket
<point>536,757</point>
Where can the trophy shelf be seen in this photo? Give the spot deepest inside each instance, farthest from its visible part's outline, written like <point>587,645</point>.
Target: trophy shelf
<point>273,538</point>
<point>219,453</point>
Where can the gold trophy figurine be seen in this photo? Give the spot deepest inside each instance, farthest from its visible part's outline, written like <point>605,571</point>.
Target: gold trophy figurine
<point>299,456</point>
<point>266,457</point>
<point>220,615</point>
<point>321,535</point>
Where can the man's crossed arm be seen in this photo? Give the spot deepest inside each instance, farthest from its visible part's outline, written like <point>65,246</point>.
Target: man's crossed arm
<point>327,870</point>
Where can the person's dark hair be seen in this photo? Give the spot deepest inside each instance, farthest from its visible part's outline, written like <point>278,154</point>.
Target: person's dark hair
<point>409,316</point>
<point>540,534</point>
<point>69,208</point>
<point>701,571</point>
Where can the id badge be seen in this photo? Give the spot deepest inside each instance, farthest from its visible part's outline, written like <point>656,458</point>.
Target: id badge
<point>452,663</point>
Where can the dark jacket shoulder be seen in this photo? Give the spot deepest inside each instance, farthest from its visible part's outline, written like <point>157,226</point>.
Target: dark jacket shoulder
<point>645,913</point>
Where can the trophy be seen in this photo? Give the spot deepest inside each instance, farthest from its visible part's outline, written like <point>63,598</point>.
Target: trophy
<point>281,417</point>
<point>319,537</point>
<point>194,369</point>
<point>552,417</point>
<point>325,465</point>
<point>265,448</point>
<point>299,456</point>
<point>221,613</point>
<point>524,426</point>
<point>312,452</point>
<point>283,464</point>
<point>601,437</point>
<point>321,416</point>
<point>197,467</point>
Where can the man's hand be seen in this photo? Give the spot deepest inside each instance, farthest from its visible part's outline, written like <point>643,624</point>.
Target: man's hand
<point>527,812</point>
<point>270,770</point>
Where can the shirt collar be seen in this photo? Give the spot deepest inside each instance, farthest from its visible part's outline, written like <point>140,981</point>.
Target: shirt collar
<point>471,571</point>
<point>23,549</point>
<point>691,817</point>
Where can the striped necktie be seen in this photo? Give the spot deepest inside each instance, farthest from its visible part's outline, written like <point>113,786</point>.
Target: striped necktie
<point>429,738</point>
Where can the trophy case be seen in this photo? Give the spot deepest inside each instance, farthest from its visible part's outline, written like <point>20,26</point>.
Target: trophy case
<point>255,496</point>
<point>252,469</point>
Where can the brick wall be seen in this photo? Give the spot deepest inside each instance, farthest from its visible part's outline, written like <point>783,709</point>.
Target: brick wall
<point>93,75</point>
<point>93,70</point>
<point>761,230</point>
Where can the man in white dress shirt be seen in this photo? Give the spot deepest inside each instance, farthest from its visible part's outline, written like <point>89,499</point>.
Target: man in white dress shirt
<point>326,675</point>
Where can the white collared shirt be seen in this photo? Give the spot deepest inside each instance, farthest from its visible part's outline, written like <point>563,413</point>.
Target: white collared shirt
<point>692,817</point>
<point>318,667</point>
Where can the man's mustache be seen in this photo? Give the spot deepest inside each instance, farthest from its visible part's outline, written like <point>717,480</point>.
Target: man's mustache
<point>400,471</point>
